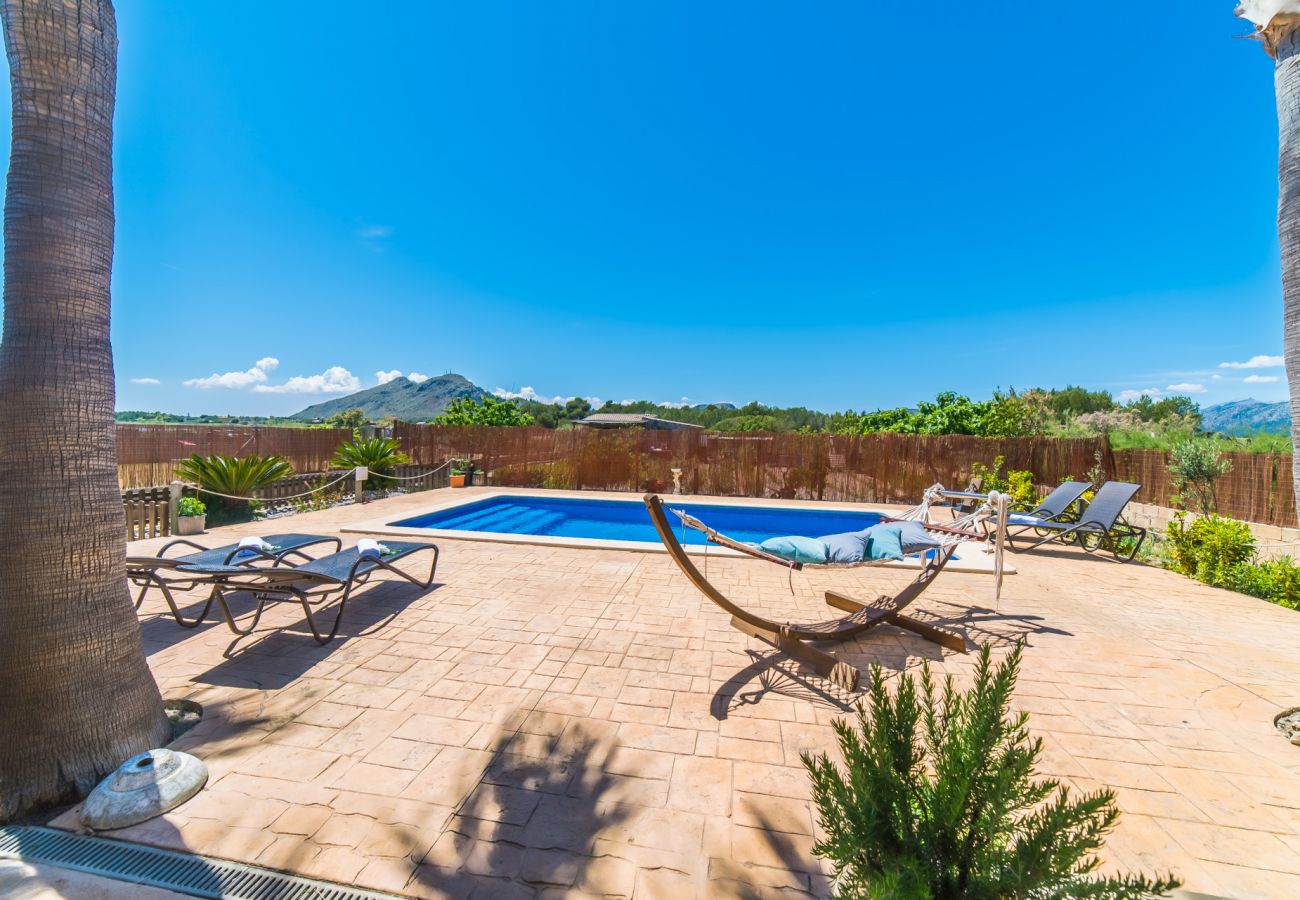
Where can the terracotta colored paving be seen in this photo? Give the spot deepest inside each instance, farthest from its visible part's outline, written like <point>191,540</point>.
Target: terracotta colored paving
<point>550,721</point>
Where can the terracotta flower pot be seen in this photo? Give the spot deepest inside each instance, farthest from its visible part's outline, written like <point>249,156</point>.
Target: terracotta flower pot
<point>458,481</point>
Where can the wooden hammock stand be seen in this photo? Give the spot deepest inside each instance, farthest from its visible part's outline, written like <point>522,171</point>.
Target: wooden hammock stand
<point>796,640</point>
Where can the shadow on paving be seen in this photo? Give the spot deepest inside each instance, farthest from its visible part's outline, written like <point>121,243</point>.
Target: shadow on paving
<point>273,657</point>
<point>531,822</point>
<point>772,672</point>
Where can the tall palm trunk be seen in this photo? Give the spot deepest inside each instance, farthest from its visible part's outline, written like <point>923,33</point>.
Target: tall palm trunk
<point>76,695</point>
<point>1278,25</point>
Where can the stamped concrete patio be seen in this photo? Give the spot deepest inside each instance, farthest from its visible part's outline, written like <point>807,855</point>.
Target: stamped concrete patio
<point>551,721</point>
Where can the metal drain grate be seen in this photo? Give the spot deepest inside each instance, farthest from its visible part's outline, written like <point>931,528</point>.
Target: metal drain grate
<point>181,872</point>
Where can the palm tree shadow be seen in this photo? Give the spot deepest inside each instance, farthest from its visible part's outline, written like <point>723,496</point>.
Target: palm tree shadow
<point>531,822</point>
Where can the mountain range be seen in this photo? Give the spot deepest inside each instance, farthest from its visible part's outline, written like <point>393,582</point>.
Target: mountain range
<point>401,398</point>
<point>1245,416</point>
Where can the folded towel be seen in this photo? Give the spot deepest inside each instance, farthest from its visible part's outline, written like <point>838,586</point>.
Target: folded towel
<point>249,546</point>
<point>366,547</point>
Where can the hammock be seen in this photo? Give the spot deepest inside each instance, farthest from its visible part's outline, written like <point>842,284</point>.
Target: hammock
<point>795,639</point>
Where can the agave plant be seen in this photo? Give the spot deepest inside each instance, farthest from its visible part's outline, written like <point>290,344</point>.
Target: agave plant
<point>938,799</point>
<point>379,454</point>
<point>239,477</point>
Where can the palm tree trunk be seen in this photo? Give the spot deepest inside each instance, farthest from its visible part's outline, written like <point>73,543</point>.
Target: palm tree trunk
<point>1285,43</point>
<point>77,695</point>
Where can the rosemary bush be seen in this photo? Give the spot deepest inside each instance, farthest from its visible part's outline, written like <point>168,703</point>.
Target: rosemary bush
<point>937,799</point>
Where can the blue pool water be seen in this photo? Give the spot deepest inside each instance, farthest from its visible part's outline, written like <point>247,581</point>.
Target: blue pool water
<point>615,520</point>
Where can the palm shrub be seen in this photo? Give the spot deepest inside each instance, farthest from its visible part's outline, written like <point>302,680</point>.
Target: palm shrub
<point>237,476</point>
<point>379,454</point>
<point>937,799</point>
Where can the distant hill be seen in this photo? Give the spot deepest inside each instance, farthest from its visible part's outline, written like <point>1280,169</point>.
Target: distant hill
<point>1245,416</point>
<point>400,398</point>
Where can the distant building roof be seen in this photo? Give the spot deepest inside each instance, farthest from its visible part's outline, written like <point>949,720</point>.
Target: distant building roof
<point>633,420</point>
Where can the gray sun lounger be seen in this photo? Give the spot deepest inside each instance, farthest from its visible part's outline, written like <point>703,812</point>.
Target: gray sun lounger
<point>147,571</point>
<point>310,584</point>
<point>1051,509</point>
<point>1100,525</point>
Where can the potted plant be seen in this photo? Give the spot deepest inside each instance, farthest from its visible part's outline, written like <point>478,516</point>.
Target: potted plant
<point>191,516</point>
<point>462,473</point>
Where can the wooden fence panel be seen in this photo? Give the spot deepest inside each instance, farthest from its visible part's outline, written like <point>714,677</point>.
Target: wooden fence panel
<point>147,513</point>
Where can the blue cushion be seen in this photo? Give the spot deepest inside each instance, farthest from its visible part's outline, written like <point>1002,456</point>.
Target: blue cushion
<point>798,549</point>
<point>847,548</point>
<point>1023,519</point>
<point>884,541</point>
<point>915,539</point>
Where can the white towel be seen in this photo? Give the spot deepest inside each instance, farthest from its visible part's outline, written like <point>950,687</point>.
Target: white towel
<point>249,545</point>
<point>367,547</point>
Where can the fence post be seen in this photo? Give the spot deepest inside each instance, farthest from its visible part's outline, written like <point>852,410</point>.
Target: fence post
<point>361,473</point>
<point>173,503</point>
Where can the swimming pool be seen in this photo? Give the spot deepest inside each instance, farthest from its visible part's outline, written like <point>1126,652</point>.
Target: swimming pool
<point>613,522</point>
<point>628,520</point>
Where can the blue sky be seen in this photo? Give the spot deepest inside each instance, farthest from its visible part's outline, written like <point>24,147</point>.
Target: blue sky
<point>847,205</point>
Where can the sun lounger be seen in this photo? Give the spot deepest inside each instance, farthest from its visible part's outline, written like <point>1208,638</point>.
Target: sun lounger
<point>1056,507</point>
<point>311,584</point>
<point>147,571</point>
<point>1099,525</point>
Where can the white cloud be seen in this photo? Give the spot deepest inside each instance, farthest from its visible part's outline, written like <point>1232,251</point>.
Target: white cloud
<point>528,393</point>
<point>375,232</point>
<point>237,381</point>
<point>334,380</point>
<point>677,404</point>
<point>1255,362</point>
<point>1130,396</point>
<point>385,377</point>
<point>1186,388</point>
<point>1260,379</point>
<point>145,381</point>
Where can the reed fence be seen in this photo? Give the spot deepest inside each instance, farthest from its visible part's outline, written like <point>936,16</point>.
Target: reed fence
<point>878,468</point>
<point>881,468</point>
<point>1258,488</point>
<point>147,454</point>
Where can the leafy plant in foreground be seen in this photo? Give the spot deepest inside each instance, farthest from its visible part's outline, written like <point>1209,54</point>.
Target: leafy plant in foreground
<point>937,799</point>
<point>379,454</point>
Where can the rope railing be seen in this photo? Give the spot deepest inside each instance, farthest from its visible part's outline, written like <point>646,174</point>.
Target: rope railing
<point>316,490</point>
<point>351,473</point>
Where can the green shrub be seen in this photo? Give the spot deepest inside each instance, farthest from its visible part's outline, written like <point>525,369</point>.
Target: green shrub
<point>1274,580</point>
<point>1195,467</point>
<point>1210,548</point>
<point>191,506</point>
<point>240,477</point>
<point>938,800</point>
<point>1018,484</point>
<point>489,411</point>
<point>379,454</point>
